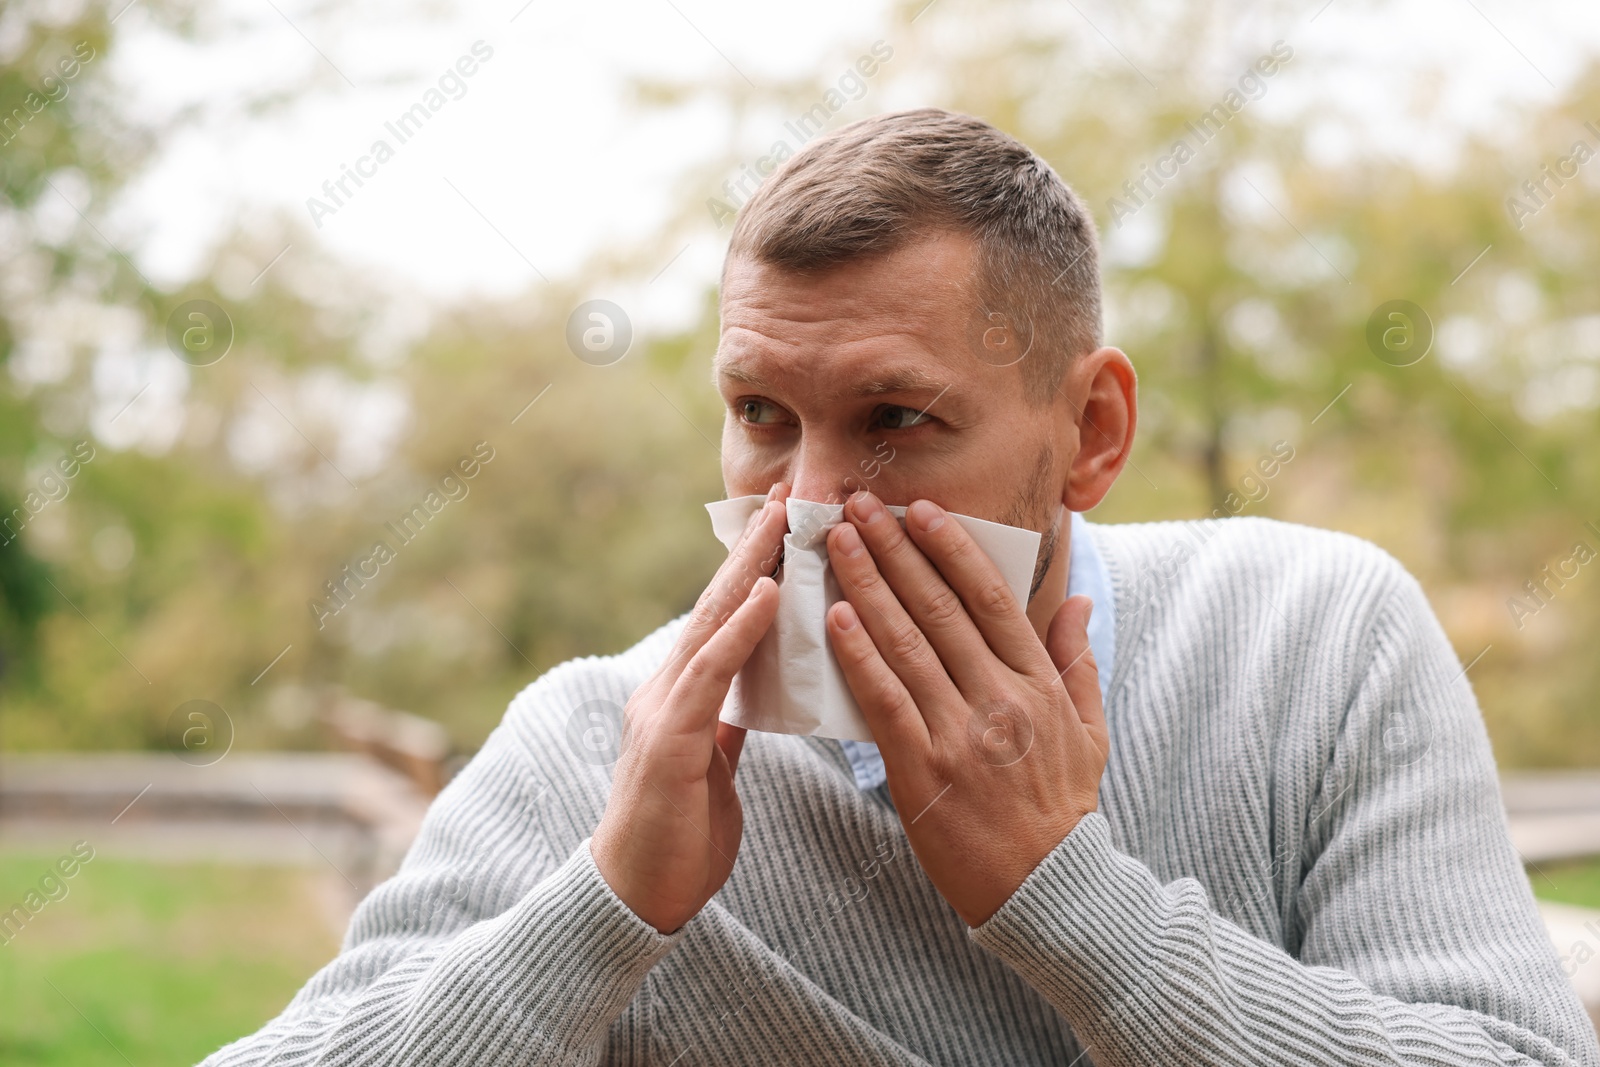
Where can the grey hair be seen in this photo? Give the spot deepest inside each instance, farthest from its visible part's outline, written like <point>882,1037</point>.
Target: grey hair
<point>870,187</point>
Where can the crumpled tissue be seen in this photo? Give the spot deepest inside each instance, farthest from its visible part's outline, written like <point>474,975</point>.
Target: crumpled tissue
<point>792,683</point>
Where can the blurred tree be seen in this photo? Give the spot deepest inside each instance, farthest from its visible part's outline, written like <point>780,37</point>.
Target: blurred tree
<point>201,543</point>
<point>1242,270</point>
<point>1244,285</point>
<point>43,127</point>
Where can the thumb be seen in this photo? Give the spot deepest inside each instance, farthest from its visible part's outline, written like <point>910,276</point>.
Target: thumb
<point>1067,642</point>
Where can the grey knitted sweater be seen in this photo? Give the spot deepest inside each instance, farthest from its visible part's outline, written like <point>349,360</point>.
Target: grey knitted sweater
<point>1300,857</point>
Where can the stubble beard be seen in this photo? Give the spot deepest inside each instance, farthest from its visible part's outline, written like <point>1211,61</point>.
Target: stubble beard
<point>1036,508</point>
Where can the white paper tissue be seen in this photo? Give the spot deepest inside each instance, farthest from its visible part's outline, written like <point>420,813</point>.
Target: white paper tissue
<point>792,684</point>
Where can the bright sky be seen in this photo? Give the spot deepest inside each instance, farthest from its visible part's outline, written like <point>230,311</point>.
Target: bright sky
<point>541,163</point>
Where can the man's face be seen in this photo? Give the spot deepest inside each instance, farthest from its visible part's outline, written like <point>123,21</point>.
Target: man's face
<point>878,374</point>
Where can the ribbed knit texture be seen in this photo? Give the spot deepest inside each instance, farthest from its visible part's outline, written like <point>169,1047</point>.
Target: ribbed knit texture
<point>1300,857</point>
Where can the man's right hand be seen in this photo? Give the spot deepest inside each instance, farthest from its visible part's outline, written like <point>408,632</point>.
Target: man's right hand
<point>672,825</point>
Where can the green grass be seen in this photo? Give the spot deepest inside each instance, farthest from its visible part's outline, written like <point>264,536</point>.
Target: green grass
<point>1568,882</point>
<point>151,964</point>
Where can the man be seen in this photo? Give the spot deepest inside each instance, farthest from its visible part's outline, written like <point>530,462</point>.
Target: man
<point>1244,811</point>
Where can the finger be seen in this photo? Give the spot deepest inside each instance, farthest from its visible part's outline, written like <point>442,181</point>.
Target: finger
<point>1067,641</point>
<point>778,491</point>
<point>753,557</point>
<point>730,739</point>
<point>933,606</point>
<point>896,723</point>
<point>991,607</point>
<point>695,699</point>
<point>903,647</point>
<point>779,494</point>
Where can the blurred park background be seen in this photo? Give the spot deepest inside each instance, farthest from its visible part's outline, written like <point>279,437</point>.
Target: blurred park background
<point>1381,258</point>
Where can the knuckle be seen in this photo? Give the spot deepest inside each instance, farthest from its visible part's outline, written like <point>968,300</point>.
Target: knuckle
<point>960,551</point>
<point>705,612</point>
<point>942,608</point>
<point>763,562</point>
<point>893,699</point>
<point>705,668</point>
<point>636,713</point>
<point>905,644</point>
<point>995,598</point>
<point>722,606</point>
<point>1001,730</point>
<point>873,586</point>
<point>868,664</point>
<point>694,672</point>
<point>866,583</point>
<point>641,753</point>
<point>1004,712</point>
<point>858,648</point>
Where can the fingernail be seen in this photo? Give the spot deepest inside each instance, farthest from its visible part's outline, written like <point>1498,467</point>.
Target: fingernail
<point>846,619</point>
<point>849,541</point>
<point>867,508</point>
<point>926,514</point>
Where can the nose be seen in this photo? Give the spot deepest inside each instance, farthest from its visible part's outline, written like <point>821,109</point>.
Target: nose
<point>821,472</point>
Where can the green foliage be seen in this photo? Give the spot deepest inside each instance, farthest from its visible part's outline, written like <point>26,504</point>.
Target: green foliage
<point>1242,289</point>
<point>1244,304</point>
<point>24,600</point>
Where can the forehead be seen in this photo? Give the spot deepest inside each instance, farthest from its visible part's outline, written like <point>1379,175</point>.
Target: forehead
<point>885,323</point>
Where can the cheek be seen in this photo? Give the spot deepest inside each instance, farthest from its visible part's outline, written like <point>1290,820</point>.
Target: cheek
<point>747,469</point>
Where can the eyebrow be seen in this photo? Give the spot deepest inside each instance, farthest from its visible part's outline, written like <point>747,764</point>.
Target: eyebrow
<point>899,380</point>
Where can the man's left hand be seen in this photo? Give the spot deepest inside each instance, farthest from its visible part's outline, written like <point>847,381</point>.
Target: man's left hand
<point>993,742</point>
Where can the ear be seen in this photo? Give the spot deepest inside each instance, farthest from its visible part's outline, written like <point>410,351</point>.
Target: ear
<point>1101,394</point>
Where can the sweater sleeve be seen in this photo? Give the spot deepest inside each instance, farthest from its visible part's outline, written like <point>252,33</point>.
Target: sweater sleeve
<point>1418,940</point>
<point>483,950</point>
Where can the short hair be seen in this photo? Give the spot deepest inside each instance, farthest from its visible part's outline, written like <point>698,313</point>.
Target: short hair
<point>870,187</point>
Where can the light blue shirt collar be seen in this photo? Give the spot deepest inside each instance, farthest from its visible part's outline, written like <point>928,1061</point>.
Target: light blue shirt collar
<point>1086,574</point>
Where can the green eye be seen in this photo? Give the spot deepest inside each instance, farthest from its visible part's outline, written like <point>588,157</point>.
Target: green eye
<point>752,411</point>
<point>898,417</point>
